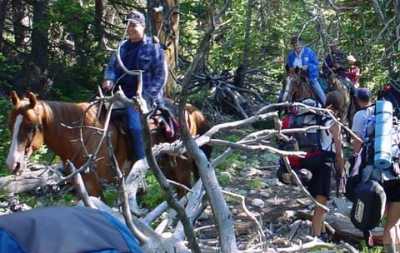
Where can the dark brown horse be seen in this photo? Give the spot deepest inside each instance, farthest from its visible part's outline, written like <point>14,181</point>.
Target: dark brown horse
<point>344,87</point>
<point>299,89</point>
<point>35,122</point>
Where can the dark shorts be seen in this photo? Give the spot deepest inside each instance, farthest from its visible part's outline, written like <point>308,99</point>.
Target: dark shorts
<point>392,190</point>
<point>320,183</point>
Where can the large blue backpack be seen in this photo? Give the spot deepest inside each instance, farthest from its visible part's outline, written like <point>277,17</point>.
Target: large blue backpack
<point>65,230</point>
<point>379,157</point>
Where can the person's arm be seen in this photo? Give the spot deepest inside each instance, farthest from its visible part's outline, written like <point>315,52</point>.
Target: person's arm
<point>313,57</point>
<point>313,63</point>
<point>337,140</point>
<point>290,60</point>
<point>110,73</point>
<point>357,127</point>
<point>159,72</point>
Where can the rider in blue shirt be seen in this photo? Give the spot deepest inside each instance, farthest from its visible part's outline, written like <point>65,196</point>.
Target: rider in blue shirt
<point>305,58</point>
<point>138,52</point>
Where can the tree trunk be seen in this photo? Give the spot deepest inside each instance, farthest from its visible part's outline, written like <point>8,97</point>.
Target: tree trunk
<point>37,72</point>
<point>39,53</point>
<point>18,15</point>
<point>242,68</point>
<point>388,38</point>
<point>99,10</point>
<point>397,30</point>
<point>3,14</point>
<point>164,23</point>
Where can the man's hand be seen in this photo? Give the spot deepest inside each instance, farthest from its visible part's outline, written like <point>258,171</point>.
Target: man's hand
<point>107,85</point>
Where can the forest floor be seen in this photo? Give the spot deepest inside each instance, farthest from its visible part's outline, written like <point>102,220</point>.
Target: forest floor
<point>283,211</point>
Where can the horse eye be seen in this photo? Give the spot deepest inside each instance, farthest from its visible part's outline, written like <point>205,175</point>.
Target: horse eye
<point>30,128</point>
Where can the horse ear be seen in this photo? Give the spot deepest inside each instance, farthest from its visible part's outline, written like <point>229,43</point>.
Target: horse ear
<point>32,99</point>
<point>14,98</point>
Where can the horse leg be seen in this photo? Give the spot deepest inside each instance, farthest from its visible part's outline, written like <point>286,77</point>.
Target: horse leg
<point>183,174</point>
<point>93,185</point>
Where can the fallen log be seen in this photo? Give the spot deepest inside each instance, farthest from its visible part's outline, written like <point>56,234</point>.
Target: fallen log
<point>38,176</point>
<point>343,228</point>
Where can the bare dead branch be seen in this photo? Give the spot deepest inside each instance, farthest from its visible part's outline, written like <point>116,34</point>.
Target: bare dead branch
<point>81,187</point>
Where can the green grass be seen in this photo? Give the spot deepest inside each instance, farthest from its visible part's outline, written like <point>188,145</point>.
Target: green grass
<point>111,195</point>
<point>153,195</point>
<point>224,179</point>
<point>232,161</point>
<point>255,184</point>
<point>364,248</point>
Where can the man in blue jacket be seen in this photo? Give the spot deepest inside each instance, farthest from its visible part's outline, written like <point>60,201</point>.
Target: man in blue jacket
<point>138,52</point>
<point>305,58</point>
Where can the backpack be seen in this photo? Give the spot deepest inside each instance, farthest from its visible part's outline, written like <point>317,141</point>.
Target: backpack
<point>369,200</point>
<point>380,131</point>
<point>63,230</point>
<point>309,141</point>
<point>364,187</point>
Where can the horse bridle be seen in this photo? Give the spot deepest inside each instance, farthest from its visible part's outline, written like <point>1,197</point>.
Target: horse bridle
<point>32,130</point>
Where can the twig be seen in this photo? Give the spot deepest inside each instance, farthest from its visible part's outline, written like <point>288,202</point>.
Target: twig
<point>81,186</point>
<point>250,214</point>
<point>188,228</point>
<point>300,184</point>
<point>123,194</point>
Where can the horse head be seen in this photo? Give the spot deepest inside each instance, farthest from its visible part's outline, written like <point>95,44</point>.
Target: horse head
<point>26,124</point>
<point>300,89</point>
<point>338,84</point>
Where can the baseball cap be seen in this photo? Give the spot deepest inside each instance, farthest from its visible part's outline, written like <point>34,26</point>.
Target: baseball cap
<point>136,17</point>
<point>362,94</point>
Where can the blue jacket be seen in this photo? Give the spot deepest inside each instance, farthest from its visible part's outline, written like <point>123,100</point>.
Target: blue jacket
<point>309,58</point>
<point>146,56</point>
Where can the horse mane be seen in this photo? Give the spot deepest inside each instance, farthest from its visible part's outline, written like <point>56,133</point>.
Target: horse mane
<point>300,89</point>
<point>62,121</point>
<point>70,114</point>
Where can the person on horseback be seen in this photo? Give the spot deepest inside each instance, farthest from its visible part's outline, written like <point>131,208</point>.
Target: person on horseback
<point>305,58</point>
<point>138,52</point>
<point>335,61</point>
<point>353,72</point>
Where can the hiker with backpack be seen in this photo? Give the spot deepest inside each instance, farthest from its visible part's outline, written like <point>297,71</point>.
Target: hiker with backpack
<point>323,147</point>
<point>374,181</point>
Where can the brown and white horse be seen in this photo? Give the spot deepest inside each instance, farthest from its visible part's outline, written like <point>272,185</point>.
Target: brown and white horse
<point>35,122</point>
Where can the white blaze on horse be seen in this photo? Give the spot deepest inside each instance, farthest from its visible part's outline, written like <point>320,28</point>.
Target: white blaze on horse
<point>35,122</point>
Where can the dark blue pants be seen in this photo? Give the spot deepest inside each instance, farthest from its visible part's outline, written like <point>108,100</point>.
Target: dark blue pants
<point>135,130</point>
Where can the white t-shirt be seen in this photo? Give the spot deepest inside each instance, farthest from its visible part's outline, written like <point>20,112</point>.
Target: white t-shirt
<point>360,121</point>
<point>298,62</point>
<point>327,138</point>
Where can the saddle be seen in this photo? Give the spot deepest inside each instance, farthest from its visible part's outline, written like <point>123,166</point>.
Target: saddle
<point>165,120</point>
<point>163,117</point>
